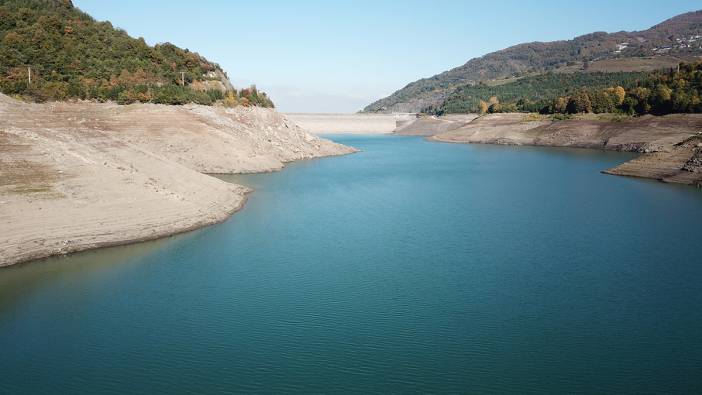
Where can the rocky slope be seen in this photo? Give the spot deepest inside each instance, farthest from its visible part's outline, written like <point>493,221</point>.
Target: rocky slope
<point>669,144</point>
<point>663,45</point>
<point>680,164</point>
<point>75,176</point>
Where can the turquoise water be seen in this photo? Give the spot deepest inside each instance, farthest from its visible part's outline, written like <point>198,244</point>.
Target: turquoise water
<point>409,267</point>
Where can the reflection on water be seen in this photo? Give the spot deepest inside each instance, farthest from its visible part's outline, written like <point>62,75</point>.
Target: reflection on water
<point>21,281</point>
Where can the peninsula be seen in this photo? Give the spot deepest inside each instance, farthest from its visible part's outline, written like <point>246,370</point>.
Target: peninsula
<point>106,142</point>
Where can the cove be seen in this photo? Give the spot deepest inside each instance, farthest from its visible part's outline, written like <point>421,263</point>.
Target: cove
<point>408,267</point>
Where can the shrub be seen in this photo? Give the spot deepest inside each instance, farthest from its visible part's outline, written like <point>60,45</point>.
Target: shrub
<point>73,56</point>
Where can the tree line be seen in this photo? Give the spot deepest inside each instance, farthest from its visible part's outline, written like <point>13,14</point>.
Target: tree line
<point>72,56</point>
<point>661,92</point>
<point>530,93</point>
<point>678,90</point>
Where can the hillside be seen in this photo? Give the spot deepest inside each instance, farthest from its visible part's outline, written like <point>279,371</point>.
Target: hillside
<point>82,174</point>
<point>533,93</point>
<point>75,176</point>
<point>663,45</point>
<point>71,55</point>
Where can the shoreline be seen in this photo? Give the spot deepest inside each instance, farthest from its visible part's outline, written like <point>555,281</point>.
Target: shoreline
<point>670,146</point>
<point>82,176</point>
<point>117,243</point>
<point>242,197</point>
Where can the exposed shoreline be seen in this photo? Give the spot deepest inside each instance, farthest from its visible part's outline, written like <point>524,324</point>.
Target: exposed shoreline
<point>670,146</point>
<point>160,234</point>
<point>80,176</point>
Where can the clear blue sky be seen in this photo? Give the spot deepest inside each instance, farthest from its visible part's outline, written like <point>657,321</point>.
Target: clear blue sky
<point>338,56</point>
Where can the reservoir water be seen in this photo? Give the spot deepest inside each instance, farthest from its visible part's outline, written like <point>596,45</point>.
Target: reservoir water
<point>409,267</point>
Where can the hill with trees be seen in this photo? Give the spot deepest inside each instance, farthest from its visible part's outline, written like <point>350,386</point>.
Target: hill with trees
<point>664,45</point>
<point>51,50</point>
<point>529,94</point>
<point>662,92</point>
<point>677,90</point>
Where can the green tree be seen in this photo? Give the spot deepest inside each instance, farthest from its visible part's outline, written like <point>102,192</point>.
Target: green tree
<point>640,96</point>
<point>601,102</point>
<point>579,103</point>
<point>660,100</point>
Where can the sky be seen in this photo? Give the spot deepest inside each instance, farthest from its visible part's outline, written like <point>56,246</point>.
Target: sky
<point>339,56</point>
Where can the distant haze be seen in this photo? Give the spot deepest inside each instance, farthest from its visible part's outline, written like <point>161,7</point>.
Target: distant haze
<point>319,56</point>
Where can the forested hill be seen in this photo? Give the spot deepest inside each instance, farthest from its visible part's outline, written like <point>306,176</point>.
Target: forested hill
<point>71,55</point>
<point>663,45</point>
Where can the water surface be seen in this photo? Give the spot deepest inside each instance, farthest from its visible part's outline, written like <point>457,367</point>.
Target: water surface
<point>409,267</point>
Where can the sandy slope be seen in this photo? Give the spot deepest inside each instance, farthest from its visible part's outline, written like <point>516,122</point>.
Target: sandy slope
<point>75,176</point>
<point>668,143</point>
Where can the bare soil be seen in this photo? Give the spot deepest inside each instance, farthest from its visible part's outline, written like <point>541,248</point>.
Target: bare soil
<point>75,176</point>
<point>669,144</point>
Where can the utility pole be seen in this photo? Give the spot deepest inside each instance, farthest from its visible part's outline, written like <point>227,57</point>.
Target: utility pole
<point>182,78</point>
<point>29,75</point>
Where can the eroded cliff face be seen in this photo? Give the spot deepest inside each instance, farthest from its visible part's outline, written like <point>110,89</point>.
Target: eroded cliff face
<point>668,144</point>
<point>75,176</point>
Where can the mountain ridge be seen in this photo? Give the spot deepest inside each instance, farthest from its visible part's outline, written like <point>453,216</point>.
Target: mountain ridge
<point>675,39</point>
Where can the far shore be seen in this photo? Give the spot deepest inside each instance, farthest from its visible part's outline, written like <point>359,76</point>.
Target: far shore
<point>671,145</point>
<point>359,123</point>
